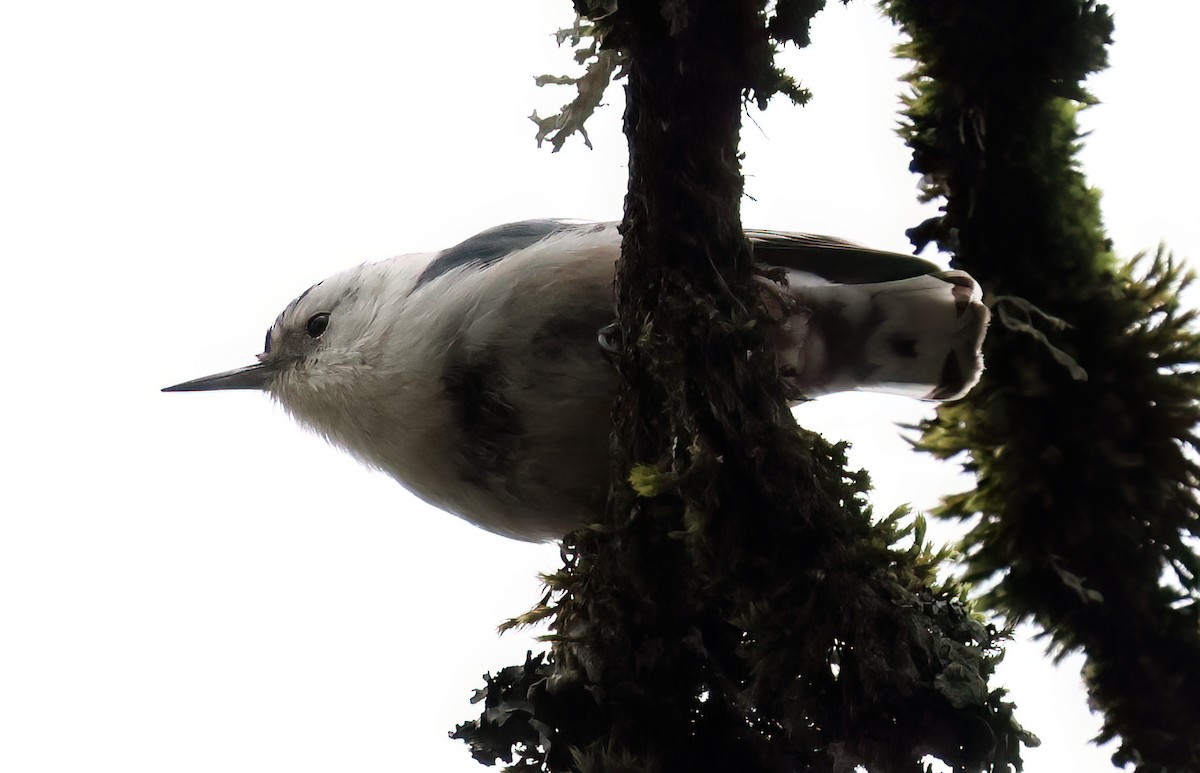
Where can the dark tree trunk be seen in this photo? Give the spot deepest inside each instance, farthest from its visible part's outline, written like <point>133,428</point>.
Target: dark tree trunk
<point>737,610</point>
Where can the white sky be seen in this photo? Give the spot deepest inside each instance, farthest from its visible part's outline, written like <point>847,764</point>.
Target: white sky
<point>191,583</point>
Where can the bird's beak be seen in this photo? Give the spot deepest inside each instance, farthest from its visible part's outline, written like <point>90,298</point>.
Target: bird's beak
<point>253,376</point>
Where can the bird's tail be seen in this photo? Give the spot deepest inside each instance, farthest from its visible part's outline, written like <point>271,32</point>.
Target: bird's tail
<point>920,336</point>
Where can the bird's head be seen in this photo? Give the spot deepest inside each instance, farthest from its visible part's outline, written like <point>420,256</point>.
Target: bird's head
<point>320,341</point>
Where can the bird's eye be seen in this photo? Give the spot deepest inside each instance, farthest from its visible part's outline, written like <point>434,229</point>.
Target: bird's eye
<point>267,344</point>
<point>317,324</point>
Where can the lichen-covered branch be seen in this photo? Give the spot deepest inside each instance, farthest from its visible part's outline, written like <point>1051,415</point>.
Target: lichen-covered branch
<point>737,609</point>
<point>604,64</point>
<point>1081,434</point>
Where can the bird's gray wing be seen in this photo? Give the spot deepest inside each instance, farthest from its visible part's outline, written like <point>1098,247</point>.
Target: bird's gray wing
<point>490,246</point>
<point>835,259</point>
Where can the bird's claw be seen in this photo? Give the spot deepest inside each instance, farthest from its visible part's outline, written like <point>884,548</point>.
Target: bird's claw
<point>609,339</point>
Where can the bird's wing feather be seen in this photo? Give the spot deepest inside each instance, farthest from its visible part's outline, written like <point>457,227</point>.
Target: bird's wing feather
<point>835,260</point>
<point>832,259</point>
<point>489,246</point>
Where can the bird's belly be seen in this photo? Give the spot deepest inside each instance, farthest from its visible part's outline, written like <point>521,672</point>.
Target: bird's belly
<point>535,485</point>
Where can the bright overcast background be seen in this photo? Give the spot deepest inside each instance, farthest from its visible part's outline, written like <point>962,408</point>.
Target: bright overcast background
<point>188,582</point>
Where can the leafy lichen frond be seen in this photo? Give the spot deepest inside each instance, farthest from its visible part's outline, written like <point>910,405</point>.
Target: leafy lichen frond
<point>601,67</point>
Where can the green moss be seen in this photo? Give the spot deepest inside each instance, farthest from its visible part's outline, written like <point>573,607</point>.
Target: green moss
<point>1080,433</point>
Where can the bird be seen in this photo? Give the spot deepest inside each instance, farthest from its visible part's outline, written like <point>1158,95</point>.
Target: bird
<point>478,377</point>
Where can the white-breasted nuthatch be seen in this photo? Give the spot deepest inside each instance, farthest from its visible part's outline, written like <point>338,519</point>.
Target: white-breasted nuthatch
<point>474,377</point>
